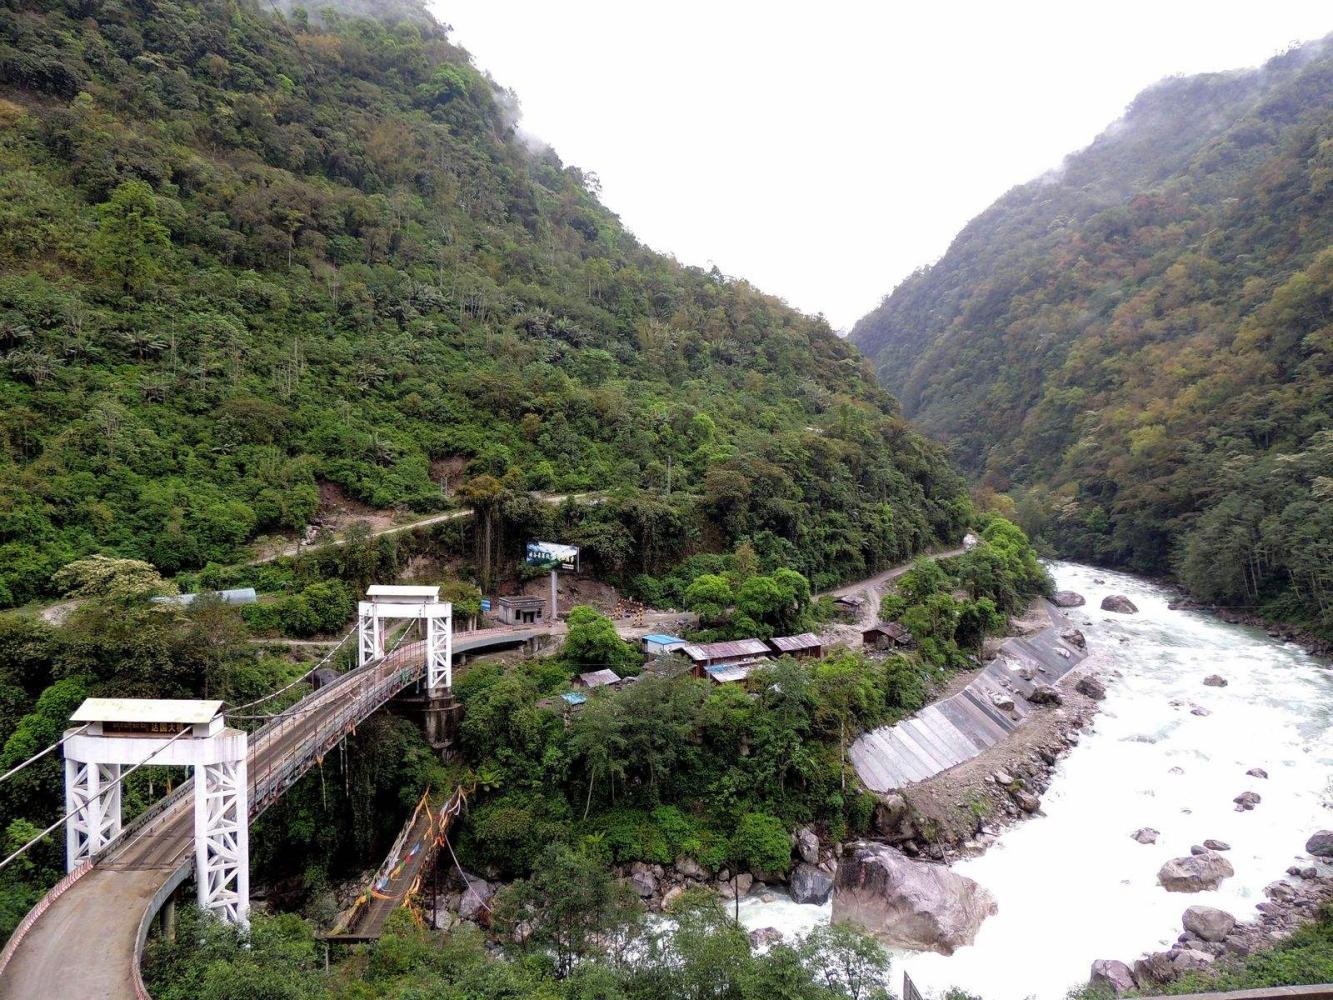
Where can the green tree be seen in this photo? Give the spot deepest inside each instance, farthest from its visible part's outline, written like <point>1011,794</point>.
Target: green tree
<point>131,243</point>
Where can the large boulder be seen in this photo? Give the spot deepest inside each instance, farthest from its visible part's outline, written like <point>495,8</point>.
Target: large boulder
<point>765,937</point>
<point>1215,681</point>
<point>476,899</point>
<point>1146,835</point>
<point>1320,844</point>
<point>1112,973</point>
<point>1208,923</point>
<point>1120,604</point>
<point>810,885</point>
<point>1076,639</point>
<point>908,904</point>
<point>1195,873</point>
<point>1068,599</point>
<point>807,846</point>
<point>1046,694</point>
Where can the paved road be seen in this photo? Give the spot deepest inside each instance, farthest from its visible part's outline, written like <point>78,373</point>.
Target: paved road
<point>872,588</point>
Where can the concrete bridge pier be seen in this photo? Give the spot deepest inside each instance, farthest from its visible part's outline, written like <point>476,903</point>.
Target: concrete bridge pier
<point>441,714</point>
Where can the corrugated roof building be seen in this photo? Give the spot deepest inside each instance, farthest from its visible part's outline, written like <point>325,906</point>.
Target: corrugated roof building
<point>806,644</point>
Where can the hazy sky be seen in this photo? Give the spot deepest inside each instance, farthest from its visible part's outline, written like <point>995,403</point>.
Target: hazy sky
<point>826,150</point>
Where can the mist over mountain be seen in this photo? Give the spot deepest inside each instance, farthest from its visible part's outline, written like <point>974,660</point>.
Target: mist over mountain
<point>1137,345</point>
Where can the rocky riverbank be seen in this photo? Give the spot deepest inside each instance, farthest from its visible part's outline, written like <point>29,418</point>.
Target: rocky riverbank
<point>1211,939</point>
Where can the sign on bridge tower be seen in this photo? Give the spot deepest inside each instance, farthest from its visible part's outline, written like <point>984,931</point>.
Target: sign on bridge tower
<point>116,732</point>
<point>419,603</point>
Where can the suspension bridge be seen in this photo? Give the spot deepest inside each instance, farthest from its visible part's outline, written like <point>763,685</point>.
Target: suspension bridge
<point>84,939</point>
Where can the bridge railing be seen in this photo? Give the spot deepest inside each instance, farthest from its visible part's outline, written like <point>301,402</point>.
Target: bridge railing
<point>358,694</point>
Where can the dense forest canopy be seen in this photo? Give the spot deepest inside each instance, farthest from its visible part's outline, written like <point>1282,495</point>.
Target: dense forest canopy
<point>244,255</point>
<point>1140,345</point>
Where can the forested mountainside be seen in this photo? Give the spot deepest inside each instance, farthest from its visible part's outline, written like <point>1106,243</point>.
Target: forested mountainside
<point>243,255</point>
<point>1140,345</point>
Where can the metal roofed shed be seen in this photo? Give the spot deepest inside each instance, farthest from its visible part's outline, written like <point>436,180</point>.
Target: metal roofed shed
<point>807,644</point>
<point>599,678</point>
<point>711,653</point>
<point>149,716</point>
<point>237,596</point>
<point>657,643</point>
<point>886,635</point>
<point>731,673</point>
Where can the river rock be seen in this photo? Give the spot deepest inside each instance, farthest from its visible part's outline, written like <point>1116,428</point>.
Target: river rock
<point>1208,923</point>
<point>1004,702</point>
<point>1146,835</point>
<point>1068,599</point>
<point>1028,802</point>
<point>1046,694</point>
<point>1153,969</point>
<point>765,937</point>
<point>1256,772</point>
<point>1215,681</point>
<point>1246,801</point>
<point>1192,960</point>
<point>1216,845</point>
<point>736,887</point>
<point>1091,687</point>
<point>1002,778</point>
<point>475,902</point>
<point>1075,638</point>
<point>644,883</point>
<point>688,867</point>
<point>908,904</point>
<point>1120,604</point>
<point>1320,844</point>
<point>807,846</point>
<point>1114,974</point>
<point>671,895</point>
<point>1195,873</point>
<point>810,885</point>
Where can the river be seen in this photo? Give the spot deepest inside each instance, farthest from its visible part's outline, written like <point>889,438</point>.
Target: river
<point>1072,885</point>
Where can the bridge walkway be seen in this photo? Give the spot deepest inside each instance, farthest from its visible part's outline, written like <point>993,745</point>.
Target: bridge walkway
<point>398,880</point>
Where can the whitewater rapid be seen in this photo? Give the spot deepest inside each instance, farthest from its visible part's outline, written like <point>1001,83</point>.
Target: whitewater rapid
<point>1072,885</point>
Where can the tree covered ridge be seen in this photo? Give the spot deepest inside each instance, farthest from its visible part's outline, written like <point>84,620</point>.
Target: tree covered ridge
<point>1140,345</point>
<point>244,254</point>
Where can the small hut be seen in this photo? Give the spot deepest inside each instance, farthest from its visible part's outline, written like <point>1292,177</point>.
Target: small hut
<point>802,647</point>
<point>886,635</point>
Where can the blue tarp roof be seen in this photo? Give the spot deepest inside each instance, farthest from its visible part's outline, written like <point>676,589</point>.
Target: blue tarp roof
<point>574,698</point>
<point>658,637</point>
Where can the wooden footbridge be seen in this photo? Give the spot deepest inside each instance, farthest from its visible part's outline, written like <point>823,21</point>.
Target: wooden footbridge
<point>397,881</point>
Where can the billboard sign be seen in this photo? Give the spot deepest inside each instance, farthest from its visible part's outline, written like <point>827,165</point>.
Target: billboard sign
<point>549,555</point>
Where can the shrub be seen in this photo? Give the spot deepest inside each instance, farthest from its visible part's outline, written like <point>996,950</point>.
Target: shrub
<point>761,842</point>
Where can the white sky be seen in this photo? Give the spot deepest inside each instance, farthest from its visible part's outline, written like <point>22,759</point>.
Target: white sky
<point>825,150</point>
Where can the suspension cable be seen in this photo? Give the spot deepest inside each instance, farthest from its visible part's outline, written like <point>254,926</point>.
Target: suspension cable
<point>305,676</point>
<point>100,793</point>
<point>38,756</point>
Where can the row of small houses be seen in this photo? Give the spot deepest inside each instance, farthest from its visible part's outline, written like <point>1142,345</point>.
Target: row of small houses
<point>733,661</point>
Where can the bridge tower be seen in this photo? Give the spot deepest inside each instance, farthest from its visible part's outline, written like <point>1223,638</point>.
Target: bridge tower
<point>423,604</point>
<point>115,732</point>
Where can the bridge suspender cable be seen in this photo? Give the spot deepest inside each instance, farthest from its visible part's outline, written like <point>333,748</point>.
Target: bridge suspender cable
<point>184,732</point>
<point>305,676</point>
<point>38,756</point>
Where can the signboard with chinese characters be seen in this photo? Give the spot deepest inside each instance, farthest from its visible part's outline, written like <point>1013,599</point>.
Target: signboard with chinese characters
<point>549,555</point>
